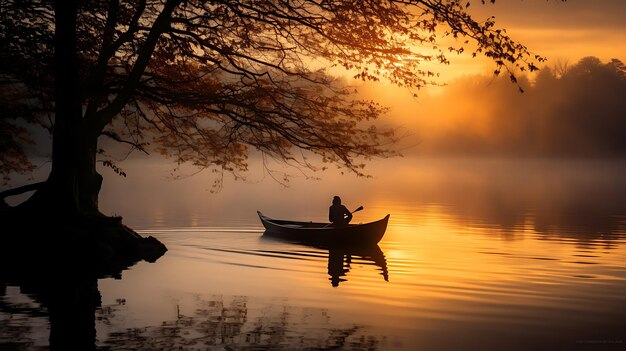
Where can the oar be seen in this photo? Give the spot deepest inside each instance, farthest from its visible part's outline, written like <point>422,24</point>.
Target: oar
<point>357,210</point>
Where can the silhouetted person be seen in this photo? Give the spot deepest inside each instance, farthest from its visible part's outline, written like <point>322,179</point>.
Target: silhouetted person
<point>338,214</point>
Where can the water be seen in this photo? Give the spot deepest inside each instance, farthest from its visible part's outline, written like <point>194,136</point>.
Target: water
<point>478,255</point>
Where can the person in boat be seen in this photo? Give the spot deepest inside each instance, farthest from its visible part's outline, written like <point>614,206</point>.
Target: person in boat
<point>338,214</point>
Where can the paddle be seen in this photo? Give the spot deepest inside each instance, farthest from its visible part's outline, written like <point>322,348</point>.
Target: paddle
<point>357,210</point>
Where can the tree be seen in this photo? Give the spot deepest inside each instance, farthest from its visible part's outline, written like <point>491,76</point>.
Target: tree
<point>573,113</point>
<point>207,81</point>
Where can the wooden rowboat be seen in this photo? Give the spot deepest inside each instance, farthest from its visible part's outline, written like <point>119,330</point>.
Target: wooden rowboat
<point>365,234</point>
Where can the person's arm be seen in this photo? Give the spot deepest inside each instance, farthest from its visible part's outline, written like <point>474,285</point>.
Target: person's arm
<point>330,214</point>
<point>347,213</point>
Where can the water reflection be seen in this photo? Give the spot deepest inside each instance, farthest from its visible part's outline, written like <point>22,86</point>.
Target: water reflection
<point>577,200</point>
<point>49,298</point>
<point>238,323</point>
<point>68,300</point>
<point>340,258</point>
<point>581,200</point>
<point>515,258</point>
<point>73,306</point>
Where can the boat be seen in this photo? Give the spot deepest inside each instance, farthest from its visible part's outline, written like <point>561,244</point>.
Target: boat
<point>324,234</point>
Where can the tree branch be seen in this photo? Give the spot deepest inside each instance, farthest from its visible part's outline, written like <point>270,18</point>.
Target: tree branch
<point>21,189</point>
<point>161,24</point>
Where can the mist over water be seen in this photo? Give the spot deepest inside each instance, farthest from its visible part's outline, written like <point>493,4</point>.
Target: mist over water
<point>485,254</point>
<point>562,195</point>
<point>507,225</point>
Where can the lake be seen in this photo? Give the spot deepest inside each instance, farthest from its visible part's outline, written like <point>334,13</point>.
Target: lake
<point>478,255</point>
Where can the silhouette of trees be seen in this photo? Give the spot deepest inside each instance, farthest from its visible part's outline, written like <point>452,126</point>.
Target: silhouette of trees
<point>572,110</point>
<point>206,82</point>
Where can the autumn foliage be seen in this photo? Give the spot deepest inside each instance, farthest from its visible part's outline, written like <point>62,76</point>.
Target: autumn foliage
<point>206,82</point>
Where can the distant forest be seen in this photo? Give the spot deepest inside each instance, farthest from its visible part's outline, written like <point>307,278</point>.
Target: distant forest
<point>574,110</point>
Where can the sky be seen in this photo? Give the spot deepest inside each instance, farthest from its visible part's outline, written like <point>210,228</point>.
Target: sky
<point>561,31</point>
<point>557,30</point>
<point>475,111</point>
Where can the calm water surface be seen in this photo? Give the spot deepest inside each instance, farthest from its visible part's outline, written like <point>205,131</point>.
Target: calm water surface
<point>488,255</point>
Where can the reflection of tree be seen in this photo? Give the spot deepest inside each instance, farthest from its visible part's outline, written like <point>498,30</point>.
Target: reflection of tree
<point>64,292</point>
<point>72,307</point>
<point>19,321</point>
<point>68,302</point>
<point>576,199</point>
<point>218,324</point>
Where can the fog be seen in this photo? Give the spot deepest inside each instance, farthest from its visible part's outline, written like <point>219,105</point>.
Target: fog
<point>576,110</point>
<point>564,198</point>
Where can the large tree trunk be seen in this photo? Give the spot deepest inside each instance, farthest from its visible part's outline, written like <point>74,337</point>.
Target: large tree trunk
<point>73,184</point>
<point>66,205</point>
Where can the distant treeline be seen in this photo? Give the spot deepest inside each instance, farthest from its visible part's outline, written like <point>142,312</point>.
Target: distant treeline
<point>574,110</point>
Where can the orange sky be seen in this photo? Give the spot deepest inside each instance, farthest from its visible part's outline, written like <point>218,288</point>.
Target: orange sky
<point>560,31</point>
<point>557,30</point>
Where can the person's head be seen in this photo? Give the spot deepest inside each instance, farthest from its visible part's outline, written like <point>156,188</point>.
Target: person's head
<point>336,200</point>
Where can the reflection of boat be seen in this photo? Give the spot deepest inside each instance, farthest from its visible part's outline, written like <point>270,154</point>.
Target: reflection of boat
<point>352,235</point>
<point>340,258</point>
<point>339,261</point>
